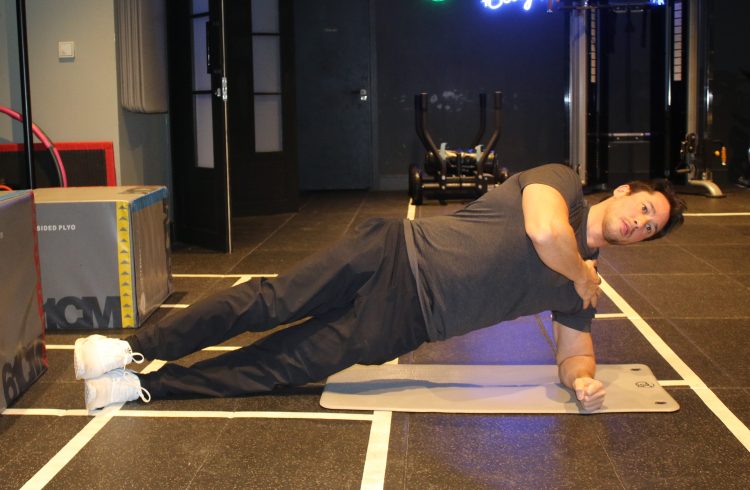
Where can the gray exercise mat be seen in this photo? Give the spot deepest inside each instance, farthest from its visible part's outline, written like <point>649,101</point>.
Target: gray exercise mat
<point>488,389</point>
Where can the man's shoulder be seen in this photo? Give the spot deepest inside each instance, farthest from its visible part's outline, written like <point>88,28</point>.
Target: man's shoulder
<point>556,175</point>
<point>551,169</point>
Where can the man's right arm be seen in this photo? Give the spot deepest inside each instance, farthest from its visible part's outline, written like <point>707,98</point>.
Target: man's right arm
<point>545,214</point>
<point>577,365</point>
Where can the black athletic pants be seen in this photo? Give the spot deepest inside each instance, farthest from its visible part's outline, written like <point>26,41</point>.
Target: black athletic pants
<point>362,300</point>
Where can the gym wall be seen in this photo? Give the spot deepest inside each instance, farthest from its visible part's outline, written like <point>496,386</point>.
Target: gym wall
<point>77,100</point>
<point>455,50</point>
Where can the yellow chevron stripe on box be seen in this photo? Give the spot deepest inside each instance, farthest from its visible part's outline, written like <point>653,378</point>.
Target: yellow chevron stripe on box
<point>125,264</point>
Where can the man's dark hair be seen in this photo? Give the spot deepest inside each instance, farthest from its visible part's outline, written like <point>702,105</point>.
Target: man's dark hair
<point>677,205</point>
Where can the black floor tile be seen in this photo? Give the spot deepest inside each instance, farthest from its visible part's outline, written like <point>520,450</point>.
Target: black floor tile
<point>691,295</point>
<point>724,342</point>
<point>204,262</point>
<point>57,387</point>
<point>28,442</point>
<point>737,401</point>
<point>737,200</point>
<point>635,298</point>
<point>618,342</point>
<point>741,278</point>
<point>516,451</point>
<point>306,237</point>
<point>690,448</point>
<point>188,290</point>
<point>711,233</point>
<point>652,259</point>
<point>729,259</point>
<point>305,454</point>
<point>691,287</point>
<point>270,262</point>
<point>115,455</point>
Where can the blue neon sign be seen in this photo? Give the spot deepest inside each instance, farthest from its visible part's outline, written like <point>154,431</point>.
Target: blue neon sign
<point>496,4</point>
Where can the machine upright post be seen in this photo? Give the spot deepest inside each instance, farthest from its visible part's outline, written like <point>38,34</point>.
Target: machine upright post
<point>498,106</point>
<point>482,120</point>
<point>23,61</point>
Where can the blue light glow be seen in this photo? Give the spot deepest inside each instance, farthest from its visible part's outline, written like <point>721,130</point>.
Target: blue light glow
<point>496,4</point>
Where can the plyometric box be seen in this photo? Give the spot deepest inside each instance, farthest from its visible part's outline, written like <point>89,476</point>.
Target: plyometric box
<point>22,351</point>
<point>104,254</point>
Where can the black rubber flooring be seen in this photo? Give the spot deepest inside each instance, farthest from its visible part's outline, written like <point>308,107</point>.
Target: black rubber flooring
<point>692,289</point>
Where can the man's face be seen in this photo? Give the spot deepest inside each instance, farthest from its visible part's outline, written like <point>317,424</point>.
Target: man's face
<point>632,218</point>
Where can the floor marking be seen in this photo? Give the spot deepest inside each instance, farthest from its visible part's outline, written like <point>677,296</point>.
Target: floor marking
<point>213,348</point>
<point>46,412</point>
<point>411,211</point>
<point>241,278</point>
<point>68,452</point>
<point>376,460</point>
<point>702,215</point>
<point>244,279</point>
<point>224,276</point>
<point>604,316</point>
<point>208,414</point>
<point>730,420</point>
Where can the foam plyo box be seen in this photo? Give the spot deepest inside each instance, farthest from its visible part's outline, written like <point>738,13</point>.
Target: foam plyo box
<point>105,255</point>
<point>22,351</point>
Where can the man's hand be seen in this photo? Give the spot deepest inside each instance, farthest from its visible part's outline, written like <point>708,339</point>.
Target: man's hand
<point>589,392</point>
<point>587,286</point>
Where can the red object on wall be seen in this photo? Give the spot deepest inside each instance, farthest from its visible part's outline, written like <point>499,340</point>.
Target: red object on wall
<point>86,163</point>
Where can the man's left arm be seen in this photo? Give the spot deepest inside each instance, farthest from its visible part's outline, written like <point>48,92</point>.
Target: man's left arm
<point>545,216</point>
<point>577,365</point>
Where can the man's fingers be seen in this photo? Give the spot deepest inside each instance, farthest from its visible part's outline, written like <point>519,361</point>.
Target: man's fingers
<point>589,392</point>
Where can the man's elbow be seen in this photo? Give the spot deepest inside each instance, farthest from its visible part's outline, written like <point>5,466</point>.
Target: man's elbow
<point>543,234</point>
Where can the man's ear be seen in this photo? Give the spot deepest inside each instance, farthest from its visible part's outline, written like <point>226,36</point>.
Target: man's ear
<point>623,190</point>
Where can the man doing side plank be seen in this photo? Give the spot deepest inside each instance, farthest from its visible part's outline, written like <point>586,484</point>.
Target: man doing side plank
<point>528,246</point>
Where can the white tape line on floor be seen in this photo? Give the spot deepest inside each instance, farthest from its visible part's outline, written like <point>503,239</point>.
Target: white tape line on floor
<point>223,276</point>
<point>711,215</point>
<point>373,474</point>
<point>78,442</point>
<point>221,348</point>
<point>192,414</point>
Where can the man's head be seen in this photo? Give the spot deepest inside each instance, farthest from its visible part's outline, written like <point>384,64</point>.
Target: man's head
<point>640,211</point>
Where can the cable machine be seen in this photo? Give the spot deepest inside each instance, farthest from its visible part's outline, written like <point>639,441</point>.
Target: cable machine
<point>635,103</point>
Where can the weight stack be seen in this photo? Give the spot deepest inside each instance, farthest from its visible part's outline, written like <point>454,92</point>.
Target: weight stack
<point>104,254</point>
<point>22,350</point>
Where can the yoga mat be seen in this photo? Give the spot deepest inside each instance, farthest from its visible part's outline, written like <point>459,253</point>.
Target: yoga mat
<point>488,389</point>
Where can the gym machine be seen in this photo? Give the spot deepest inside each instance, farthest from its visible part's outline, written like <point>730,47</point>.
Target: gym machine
<point>690,162</point>
<point>454,173</point>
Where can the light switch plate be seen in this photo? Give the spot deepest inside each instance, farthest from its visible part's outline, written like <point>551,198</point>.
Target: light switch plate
<point>66,49</point>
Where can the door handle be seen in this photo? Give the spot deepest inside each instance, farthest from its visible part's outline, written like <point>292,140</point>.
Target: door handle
<point>222,92</point>
<point>362,94</point>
